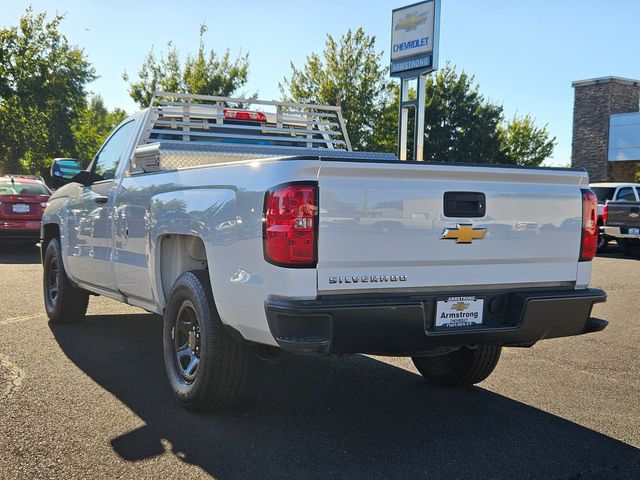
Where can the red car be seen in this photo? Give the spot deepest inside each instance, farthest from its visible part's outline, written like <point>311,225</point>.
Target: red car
<point>22,203</point>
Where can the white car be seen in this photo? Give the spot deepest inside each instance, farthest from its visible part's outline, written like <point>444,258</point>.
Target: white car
<point>261,231</point>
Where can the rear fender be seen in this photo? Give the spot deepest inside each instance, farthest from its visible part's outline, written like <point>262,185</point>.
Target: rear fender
<point>209,214</point>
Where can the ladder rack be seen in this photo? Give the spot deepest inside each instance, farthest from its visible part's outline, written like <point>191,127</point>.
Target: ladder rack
<point>179,118</point>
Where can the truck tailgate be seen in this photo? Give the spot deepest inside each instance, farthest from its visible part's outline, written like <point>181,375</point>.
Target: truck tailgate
<point>623,214</point>
<point>381,225</point>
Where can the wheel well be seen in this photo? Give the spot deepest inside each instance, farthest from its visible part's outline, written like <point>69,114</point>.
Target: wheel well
<point>50,230</point>
<point>179,254</point>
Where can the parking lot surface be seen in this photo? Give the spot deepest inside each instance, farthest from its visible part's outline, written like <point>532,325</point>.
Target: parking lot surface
<point>91,401</point>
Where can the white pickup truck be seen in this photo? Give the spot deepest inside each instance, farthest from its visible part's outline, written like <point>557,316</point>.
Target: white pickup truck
<point>254,231</point>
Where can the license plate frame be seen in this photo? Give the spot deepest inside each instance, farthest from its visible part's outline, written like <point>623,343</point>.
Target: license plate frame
<point>465,311</point>
<point>20,208</point>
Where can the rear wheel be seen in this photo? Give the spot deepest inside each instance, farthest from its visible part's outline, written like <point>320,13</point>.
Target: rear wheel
<point>63,302</point>
<point>466,366</point>
<point>205,365</point>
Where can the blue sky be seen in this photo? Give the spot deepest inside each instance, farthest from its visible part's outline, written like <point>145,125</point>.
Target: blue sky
<point>524,53</point>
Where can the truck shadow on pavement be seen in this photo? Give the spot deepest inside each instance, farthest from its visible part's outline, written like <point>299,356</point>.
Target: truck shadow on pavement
<point>312,417</point>
<point>13,253</point>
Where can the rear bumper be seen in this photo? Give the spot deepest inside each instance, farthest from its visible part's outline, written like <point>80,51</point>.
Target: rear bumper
<point>403,325</point>
<point>618,232</point>
<point>20,229</point>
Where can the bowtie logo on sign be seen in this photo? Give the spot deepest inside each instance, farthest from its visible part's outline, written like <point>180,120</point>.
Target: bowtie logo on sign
<point>411,21</point>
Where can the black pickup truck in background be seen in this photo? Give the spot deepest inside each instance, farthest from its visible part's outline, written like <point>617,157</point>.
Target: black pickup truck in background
<point>622,222</point>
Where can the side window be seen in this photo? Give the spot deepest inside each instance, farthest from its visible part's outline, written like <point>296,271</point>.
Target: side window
<point>107,161</point>
<point>626,195</point>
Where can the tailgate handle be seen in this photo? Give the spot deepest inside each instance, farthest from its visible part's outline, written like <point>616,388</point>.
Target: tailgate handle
<point>464,204</point>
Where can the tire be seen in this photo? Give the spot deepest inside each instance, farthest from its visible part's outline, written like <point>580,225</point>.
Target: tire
<point>603,243</point>
<point>459,368</point>
<point>623,246</point>
<point>629,248</point>
<point>205,365</point>
<point>63,302</point>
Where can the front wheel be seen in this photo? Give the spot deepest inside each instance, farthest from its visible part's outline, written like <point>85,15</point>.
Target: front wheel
<point>466,366</point>
<point>205,365</point>
<point>63,302</point>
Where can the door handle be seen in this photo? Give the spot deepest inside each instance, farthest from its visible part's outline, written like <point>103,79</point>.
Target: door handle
<point>464,204</point>
<point>101,199</point>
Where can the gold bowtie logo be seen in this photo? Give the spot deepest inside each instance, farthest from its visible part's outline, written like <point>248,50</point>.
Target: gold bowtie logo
<point>411,21</point>
<point>460,306</point>
<point>464,233</point>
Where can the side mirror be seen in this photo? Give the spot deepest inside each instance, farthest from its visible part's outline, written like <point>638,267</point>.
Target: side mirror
<point>65,168</point>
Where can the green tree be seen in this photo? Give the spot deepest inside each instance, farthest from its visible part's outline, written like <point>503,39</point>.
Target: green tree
<point>348,71</point>
<point>522,143</point>
<point>42,90</point>
<point>205,73</point>
<point>461,125</point>
<point>384,135</point>
<point>92,127</point>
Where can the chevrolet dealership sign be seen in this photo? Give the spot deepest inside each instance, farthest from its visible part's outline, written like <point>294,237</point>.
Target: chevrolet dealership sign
<point>414,32</point>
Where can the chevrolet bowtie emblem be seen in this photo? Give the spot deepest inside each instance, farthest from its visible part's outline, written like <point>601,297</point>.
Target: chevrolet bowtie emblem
<point>460,306</point>
<point>464,233</point>
<point>411,21</point>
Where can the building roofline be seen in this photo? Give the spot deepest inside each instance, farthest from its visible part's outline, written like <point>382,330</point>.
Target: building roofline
<point>594,81</point>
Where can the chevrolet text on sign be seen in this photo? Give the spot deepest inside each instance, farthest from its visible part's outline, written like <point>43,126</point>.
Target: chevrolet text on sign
<point>412,36</point>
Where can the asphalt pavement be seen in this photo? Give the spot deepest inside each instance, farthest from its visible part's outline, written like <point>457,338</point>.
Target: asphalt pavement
<point>91,401</point>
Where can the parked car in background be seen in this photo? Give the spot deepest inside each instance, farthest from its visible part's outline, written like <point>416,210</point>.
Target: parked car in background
<point>23,199</point>
<point>622,222</point>
<point>615,192</point>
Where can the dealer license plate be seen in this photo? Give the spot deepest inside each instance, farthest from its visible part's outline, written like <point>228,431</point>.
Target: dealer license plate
<point>459,312</point>
<point>20,208</point>
<point>634,231</point>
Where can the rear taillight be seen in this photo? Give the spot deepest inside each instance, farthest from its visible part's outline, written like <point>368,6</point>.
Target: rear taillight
<point>605,213</point>
<point>245,115</point>
<point>589,242</point>
<point>290,225</point>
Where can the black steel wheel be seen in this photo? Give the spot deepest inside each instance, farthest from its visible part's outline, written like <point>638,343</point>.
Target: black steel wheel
<point>186,336</point>
<point>63,302</point>
<point>206,367</point>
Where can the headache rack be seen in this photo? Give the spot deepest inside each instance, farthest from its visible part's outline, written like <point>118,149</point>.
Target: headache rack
<point>180,118</point>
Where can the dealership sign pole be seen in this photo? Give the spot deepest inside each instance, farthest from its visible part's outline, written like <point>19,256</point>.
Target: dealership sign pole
<point>414,54</point>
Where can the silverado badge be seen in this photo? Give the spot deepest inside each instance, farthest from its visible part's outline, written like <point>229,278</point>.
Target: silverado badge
<point>464,233</point>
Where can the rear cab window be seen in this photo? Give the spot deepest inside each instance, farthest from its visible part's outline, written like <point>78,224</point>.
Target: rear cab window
<point>604,193</point>
<point>626,194</point>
